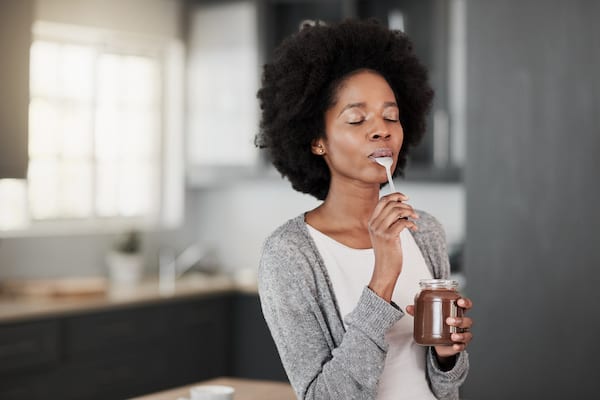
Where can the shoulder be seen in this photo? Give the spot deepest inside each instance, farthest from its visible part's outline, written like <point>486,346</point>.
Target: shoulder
<point>428,224</point>
<point>288,237</point>
<point>431,239</point>
<point>430,235</point>
<point>287,249</point>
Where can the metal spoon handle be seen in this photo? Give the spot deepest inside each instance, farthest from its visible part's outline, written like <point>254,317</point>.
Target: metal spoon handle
<point>390,180</point>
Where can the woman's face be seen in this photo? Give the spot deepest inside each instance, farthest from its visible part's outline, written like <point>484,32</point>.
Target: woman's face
<point>361,125</point>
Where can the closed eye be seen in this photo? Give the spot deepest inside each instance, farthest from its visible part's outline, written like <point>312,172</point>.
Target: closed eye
<point>356,122</point>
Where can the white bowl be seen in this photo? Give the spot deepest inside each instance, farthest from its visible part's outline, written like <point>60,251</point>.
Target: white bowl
<point>211,392</point>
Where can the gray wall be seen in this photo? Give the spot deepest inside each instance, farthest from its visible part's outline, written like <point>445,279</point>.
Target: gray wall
<point>532,259</point>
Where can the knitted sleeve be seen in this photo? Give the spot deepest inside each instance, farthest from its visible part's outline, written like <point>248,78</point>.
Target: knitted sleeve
<point>316,368</point>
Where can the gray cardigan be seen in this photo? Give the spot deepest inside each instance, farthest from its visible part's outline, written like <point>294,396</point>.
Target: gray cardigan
<point>322,359</point>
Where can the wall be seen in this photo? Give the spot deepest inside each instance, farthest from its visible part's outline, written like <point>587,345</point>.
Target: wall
<point>532,198</point>
<point>70,254</point>
<point>237,218</point>
<point>233,219</point>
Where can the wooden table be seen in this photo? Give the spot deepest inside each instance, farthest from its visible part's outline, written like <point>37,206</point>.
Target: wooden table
<point>245,389</point>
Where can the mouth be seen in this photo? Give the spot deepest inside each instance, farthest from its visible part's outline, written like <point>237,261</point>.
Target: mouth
<point>381,153</point>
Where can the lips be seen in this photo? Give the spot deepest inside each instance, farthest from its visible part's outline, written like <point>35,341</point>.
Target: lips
<point>381,153</point>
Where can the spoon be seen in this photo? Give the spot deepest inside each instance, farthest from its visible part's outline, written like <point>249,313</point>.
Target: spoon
<point>387,163</point>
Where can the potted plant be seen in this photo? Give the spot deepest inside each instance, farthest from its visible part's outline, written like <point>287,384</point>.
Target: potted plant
<point>125,260</point>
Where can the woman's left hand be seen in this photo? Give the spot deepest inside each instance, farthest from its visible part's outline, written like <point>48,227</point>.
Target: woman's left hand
<point>461,340</point>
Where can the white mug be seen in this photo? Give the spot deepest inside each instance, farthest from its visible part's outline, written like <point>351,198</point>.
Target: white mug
<point>211,392</point>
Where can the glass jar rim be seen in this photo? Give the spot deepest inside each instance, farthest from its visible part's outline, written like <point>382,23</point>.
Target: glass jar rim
<point>438,283</point>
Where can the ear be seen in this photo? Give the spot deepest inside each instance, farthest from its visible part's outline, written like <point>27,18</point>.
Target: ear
<point>318,147</point>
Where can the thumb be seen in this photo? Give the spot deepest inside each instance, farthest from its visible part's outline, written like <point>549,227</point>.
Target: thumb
<point>410,310</point>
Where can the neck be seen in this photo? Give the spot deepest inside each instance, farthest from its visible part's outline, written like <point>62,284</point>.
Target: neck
<point>349,205</point>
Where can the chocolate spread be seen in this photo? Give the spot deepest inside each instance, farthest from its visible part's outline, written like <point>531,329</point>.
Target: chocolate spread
<point>433,304</point>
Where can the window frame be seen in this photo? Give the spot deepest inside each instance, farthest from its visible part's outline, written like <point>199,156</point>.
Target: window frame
<point>167,210</point>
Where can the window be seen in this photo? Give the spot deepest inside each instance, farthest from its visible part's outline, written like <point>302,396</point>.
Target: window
<point>96,123</point>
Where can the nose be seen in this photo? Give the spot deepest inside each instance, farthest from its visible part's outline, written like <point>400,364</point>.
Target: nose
<point>380,131</point>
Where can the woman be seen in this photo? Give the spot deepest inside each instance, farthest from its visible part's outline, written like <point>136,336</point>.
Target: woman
<point>330,280</point>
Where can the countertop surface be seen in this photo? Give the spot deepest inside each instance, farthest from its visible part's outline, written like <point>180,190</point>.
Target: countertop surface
<point>245,389</point>
<point>15,308</point>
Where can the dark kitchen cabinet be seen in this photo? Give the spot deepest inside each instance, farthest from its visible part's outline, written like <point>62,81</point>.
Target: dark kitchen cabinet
<point>255,354</point>
<point>137,349</point>
<point>28,354</point>
<point>119,353</point>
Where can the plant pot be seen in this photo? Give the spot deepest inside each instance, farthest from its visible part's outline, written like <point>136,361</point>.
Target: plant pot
<point>125,268</point>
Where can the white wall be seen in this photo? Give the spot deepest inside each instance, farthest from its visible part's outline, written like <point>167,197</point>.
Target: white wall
<point>237,219</point>
<point>233,219</point>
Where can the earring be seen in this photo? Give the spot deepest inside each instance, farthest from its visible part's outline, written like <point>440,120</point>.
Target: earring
<point>321,149</point>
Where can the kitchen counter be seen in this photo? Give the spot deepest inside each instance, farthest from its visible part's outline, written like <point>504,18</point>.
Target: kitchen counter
<point>245,389</point>
<point>127,342</point>
<point>20,308</point>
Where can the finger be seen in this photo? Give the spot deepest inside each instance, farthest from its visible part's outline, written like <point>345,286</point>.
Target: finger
<point>410,310</point>
<point>390,198</point>
<point>390,225</point>
<point>464,338</point>
<point>388,206</point>
<point>465,303</point>
<point>458,347</point>
<point>388,210</point>
<point>405,208</point>
<point>448,351</point>
<point>396,196</point>
<point>464,322</point>
<point>393,215</point>
<point>400,224</point>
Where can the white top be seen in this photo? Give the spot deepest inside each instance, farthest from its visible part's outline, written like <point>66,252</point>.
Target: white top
<point>350,270</point>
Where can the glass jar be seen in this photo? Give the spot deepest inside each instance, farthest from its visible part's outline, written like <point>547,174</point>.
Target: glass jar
<point>433,305</point>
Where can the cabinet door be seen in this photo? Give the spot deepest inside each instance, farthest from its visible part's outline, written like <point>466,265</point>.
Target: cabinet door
<point>201,339</point>
<point>28,386</point>
<point>99,334</point>
<point>125,353</point>
<point>223,78</point>
<point>117,354</point>
<point>254,351</point>
<point>29,352</point>
<point>115,375</point>
<point>15,40</point>
<point>28,347</point>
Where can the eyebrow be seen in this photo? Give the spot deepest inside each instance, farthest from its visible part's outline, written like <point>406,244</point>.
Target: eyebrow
<point>363,104</point>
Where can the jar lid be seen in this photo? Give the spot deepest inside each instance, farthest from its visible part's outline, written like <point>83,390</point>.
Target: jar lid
<point>438,284</point>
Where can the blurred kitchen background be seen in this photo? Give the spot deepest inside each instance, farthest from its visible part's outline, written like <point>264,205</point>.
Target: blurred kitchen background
<point>133,203</point>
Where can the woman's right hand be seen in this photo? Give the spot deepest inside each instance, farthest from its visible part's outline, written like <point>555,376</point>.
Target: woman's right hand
<point>388,220</point>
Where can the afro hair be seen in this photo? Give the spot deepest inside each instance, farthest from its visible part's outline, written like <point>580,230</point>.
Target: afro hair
<point>300,84</point>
